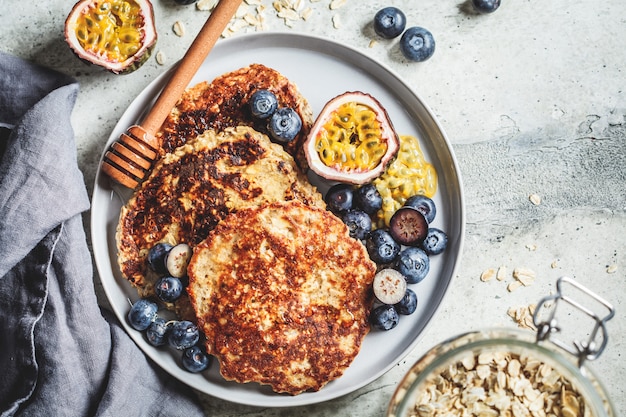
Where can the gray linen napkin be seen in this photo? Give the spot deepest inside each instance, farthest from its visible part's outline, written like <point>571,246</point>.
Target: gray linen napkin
<point>60,355</point>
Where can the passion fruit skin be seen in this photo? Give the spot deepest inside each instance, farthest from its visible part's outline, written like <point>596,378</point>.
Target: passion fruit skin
<point>359,176</point>
<point>101,58</point>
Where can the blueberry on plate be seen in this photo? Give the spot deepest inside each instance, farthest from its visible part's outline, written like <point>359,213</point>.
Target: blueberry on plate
<point>423,204</point>
<point>142,313</point>
<point>485,6</point>
<point>157,255</point>
<point>389,22</point>
<point>168,289</point>
<point>384,317</point>
<point>381,246</point>
<point>263,104</point>
<point>368,199</point>
<point>177,260</point>
<point>183,334</point>
<point>359,223</point>
<point>435,242</point>
<point>414,264</point>
<point>417,44</point>
<point>156,332</point>
<point>284,125</point>
<point>408,304</point>
<point>408,226</point>
<point>389,286</point>
<point>339,198</point>
<point>195,359</point>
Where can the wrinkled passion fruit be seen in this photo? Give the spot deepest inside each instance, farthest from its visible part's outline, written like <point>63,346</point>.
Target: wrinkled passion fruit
<point>352,140</point>
<point>118,35</point>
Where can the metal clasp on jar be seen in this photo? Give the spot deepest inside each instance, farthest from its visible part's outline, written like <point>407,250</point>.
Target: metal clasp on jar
<point>547,328</point>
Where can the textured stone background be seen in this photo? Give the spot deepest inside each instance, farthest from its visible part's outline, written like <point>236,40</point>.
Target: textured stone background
<point>532,99</point>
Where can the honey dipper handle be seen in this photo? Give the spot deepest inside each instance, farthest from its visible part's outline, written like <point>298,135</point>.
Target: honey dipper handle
<point>189,65</point>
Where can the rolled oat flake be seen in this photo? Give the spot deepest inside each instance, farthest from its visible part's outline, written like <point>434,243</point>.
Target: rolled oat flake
<point>513,372</point>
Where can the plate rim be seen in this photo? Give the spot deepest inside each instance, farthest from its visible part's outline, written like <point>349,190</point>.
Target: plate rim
<point>283,40</point>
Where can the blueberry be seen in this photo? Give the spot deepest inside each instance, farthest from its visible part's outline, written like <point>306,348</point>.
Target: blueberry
<point>384,317</point>
<point>408,304</point>
<point>485,6</point>
<point>183,334</point>
<point>142,313</point>
<point>168,289</point>
<point>156,332</point>
<point>263,104</point>
<point>381,247</point>
<point>408,226</point>
<point>339,198</point>
<point>157,255</point>
<point>284,125</point>
<point>389,22</point>
<point>414,264</point>
<point>417,44</point>
<point>195,359</point>
<point>435,242</point>
<point>368,198</point>
<point>359,223</point>
<point>423,204</point>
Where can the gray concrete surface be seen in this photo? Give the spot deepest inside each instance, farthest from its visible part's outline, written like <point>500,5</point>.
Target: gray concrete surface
<point>532,99</point>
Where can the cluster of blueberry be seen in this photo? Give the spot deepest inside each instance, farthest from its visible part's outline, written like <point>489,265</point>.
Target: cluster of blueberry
<point>416,44</point>
<point>283,124</point>
<point>182,335</point>
<point>402,250</point>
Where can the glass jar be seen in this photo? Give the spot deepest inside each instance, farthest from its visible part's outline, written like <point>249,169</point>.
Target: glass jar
<point>500,372</point>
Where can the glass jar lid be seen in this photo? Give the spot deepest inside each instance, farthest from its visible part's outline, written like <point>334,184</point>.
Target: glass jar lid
<point>510,372</point>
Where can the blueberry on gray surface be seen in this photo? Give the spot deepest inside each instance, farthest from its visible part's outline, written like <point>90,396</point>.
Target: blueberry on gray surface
<point>168,288</point>
<point>389,22</point>
<point>423,204</point>
<point>195,359</point>
<point>359,223</point>
<point>142,313</point>
<point>183,334</point>
<point>339,198</point>
<point>368,199</point>
<point>381,246</point>
<point>157,331</point>
<point>408,304</point>
<point>436,241</point>
<point>157,255</point>
<point>408,226</point>
<point>263,104</point>
<point>417,44</point>
<point>384,317</point>
<point>486,6</point>
<point>413,263</point>
<point>284,125</point>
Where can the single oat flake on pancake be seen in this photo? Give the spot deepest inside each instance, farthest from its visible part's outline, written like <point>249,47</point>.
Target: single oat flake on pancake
<point>190,190</point>
<point>224,102</point>
<point>282,294</point>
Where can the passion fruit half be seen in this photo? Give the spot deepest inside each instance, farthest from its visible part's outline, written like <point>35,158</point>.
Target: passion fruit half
<point>352,139</point>
<point>118,35</point>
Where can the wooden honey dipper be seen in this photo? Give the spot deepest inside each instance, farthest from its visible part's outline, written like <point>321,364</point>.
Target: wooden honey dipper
<point>129,159</point>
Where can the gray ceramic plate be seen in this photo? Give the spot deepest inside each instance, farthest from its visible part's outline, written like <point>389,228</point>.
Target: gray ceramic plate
<point>322,69</point>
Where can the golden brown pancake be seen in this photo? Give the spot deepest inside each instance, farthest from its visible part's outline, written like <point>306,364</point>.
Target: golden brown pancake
<point>192,189</point>
<point>224,103</point>
<point>282,294</point>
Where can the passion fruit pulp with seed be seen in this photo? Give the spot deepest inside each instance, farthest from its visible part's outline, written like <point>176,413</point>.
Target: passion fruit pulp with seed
<point>352,140</point>
<point>118,35</point>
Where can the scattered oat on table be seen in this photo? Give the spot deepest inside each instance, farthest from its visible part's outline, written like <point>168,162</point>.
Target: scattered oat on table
<point>524,275</point>
<point>535,199</point>
<point>523,316</point>
<point>160,58</point>
<point>611,269</point>
<point>179,28</point>
<point>488,274</point>
<point>501,274</point>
